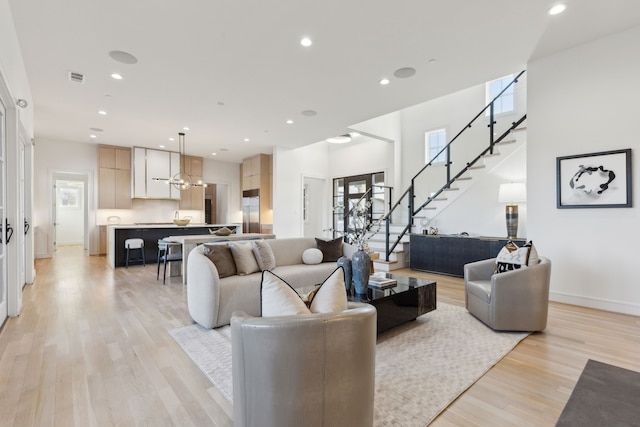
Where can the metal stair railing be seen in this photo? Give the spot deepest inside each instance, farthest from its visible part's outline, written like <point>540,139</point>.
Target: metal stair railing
<point>409,193</point>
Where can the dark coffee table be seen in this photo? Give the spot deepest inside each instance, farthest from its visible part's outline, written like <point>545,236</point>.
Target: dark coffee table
<point>410,298</point>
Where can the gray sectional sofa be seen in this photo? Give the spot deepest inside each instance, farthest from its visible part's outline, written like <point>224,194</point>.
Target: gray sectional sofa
<point>212,300</point>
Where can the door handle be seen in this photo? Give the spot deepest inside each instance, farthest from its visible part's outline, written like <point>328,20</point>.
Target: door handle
<point>8,230</point>
<point>26,226</point>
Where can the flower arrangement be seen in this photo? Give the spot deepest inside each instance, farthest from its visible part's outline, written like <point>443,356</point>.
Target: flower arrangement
<point>359,226</point>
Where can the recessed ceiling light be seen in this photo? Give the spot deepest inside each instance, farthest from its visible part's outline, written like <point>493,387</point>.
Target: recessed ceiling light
<point>224,149</point>
<point>384,81</point>
<point>96,129</point>
<point>354,134</point>
<point>289,122</point>
<point>214,154</point>
<point>117,76</point>
<point>92,136</point>
<point>432,61</point>
<point>403,73</point>
<point>246,140</point>
<point>102,113</point>
<point>124,57</point>
<point>341,139</point>
<point>185,128</point>
<point>309,113</point>
<point>306,42</point>
<point>172,139</point>
<point>557,9</point>
<point>161,146</point>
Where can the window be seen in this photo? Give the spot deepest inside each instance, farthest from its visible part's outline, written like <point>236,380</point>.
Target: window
<point>504,104</point>
<point>435,141</point>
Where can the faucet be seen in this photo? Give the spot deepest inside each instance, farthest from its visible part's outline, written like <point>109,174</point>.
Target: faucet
<point>177,215</point>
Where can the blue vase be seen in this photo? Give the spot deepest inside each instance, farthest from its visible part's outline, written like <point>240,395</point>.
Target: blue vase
<point>345,263</point>
<point>360,270</point>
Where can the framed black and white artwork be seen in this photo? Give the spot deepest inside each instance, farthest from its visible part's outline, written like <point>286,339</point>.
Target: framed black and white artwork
<point>594,180</point>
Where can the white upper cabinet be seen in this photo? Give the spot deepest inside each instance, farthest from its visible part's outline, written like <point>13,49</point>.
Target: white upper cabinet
<point>149,164</point>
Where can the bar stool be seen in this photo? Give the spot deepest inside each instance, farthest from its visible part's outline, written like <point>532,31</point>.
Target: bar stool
<point>166,256</point>
<point>130,244</point>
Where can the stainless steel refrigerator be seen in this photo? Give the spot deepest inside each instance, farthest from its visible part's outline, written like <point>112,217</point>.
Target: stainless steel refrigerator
<point>251,211</point>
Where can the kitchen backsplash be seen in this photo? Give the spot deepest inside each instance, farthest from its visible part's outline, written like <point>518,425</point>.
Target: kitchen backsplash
<point>146,211</point>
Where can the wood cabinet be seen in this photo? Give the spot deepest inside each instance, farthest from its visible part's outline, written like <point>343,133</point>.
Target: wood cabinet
<point>257,174</point>
<point>449,254</point>
<point>149,164</point>
<point>192,198</point>
<point>102,240</point>
<point>114,177</point>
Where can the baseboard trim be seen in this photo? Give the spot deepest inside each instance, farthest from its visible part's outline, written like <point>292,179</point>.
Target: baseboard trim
<point>597,303</point>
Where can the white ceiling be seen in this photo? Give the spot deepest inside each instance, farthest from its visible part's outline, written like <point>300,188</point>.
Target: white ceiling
<point>234,69</point>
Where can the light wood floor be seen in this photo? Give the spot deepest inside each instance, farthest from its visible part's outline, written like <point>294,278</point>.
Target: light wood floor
<point>91,348</point>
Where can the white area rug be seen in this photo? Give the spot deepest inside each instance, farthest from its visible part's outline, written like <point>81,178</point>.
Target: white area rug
<point>421,367</point>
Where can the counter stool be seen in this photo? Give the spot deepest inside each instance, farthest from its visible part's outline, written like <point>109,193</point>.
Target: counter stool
<point>166,256</point>
<point>135,244</point>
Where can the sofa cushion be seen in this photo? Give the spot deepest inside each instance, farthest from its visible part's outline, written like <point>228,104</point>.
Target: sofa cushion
<point>312,256</point>
<point>243,256</point>
<point>222,258</point>
<point>264,255</point>
<point>278,298</point>
<point>288,251</point>
<point>512,257</point>
<point>331,249</point>
<point>332,295</point>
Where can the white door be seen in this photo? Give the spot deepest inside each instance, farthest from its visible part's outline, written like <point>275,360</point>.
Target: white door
<point>314,207</point>
<point>3,216</point>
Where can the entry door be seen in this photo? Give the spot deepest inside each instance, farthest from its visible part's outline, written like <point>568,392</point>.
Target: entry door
<point>3,215</point>
<point>355,187</point>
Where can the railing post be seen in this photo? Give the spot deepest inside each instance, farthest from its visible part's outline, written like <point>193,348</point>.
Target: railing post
<point>491,123</point>
<point>448,166</point>
<point>410,203</point>
<point>386,246</point>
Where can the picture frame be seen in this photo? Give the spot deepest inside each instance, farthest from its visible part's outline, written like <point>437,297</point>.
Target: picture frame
<point>594,180</point>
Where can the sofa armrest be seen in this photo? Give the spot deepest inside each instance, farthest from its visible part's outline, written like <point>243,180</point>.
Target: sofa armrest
<point>203,289</point>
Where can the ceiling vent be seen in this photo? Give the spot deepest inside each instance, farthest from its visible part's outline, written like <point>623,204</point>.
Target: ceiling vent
<point>76,77</point>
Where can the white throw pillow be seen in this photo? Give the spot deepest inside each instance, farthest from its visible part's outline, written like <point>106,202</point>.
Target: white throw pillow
<point>332,295</point>
<point>312,256</point>
<point>278,298</point>
<point>243,256</point>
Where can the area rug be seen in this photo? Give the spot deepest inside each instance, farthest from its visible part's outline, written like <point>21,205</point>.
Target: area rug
<point>605,395</point>
<point>421,366</point>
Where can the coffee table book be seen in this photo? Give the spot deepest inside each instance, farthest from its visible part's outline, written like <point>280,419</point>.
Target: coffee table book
<point>381,282</point>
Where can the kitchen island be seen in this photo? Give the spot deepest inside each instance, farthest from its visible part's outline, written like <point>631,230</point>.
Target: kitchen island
<point>151,233</point>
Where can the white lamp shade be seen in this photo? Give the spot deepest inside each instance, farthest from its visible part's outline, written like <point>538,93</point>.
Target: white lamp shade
<point>512,192</point>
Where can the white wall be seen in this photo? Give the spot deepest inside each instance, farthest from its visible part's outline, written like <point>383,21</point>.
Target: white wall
<point>585,100</point>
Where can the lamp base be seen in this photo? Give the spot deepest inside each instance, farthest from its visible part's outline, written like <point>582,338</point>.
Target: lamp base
<point>511,214</point>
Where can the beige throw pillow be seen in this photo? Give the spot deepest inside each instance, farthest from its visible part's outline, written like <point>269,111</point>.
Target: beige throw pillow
<point>243,256</point>
<point>264,255</point>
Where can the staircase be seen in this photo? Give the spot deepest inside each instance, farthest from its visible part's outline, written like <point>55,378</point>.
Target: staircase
<point>392,243</point>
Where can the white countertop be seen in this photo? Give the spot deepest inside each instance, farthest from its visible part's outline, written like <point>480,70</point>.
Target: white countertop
<point>170,225</point>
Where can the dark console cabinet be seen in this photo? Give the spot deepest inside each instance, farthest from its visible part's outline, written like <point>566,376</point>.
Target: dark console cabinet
<point>448,254</point>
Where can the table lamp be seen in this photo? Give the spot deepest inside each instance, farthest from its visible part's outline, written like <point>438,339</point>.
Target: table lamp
<point>512,193</point>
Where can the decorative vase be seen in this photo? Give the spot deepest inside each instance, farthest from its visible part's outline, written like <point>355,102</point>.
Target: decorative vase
<point>345,263</point>
<point>360,270</point>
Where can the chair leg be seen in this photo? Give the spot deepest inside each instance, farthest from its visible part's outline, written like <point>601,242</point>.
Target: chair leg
<point>164,272</point>
<point>127,261</point>
<point>144,260</point>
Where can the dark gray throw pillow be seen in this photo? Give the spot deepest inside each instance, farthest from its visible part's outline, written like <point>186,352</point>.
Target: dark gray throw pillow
<point>222,258</point>
<point>331,249</point>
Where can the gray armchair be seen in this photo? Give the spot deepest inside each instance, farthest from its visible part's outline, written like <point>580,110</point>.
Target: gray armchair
<point>516,300</point>
<point>313,370</point>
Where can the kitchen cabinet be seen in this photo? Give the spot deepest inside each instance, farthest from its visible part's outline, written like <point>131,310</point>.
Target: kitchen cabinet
<point>149,164</point>
<point>448,254</point>
<point>150,235</point>
<point>114,177</point>
<point>102,240</point>
<point>257,174</point>
<point>192,198</point>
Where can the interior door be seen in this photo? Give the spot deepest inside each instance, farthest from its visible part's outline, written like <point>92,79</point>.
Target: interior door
<point>3,216</point>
